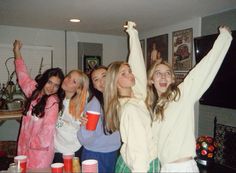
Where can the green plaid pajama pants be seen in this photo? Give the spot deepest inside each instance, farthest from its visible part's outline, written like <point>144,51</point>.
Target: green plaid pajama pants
<point>121,166</point>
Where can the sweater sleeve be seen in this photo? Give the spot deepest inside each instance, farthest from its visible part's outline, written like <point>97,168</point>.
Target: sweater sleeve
<point>201,76</point>
<point>86,136</point>
<point>45,135</point>
<point>26,83</point>
<point>136,62</point>
<point>134,137</point>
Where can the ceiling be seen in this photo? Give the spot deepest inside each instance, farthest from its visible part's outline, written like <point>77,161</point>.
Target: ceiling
<point>106,16</point>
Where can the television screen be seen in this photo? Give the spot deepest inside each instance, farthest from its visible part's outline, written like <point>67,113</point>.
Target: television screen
<point>222,92</point>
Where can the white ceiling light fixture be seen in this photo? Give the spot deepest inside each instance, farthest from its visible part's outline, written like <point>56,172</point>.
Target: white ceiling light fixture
<point>74,20</point>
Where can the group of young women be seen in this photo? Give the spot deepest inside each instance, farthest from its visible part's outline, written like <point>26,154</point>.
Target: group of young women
<point>148,115</point>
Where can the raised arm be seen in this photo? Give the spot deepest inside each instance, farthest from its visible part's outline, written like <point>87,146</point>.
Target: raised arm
<point>16,49</point>
<point>26,83</point>
<point>136,60</point>
<point>202,75</point>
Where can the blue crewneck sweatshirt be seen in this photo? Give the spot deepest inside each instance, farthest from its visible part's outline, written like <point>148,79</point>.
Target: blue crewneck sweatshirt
<point>96,140</point>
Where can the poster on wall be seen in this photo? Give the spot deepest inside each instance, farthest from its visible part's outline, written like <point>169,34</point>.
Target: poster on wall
<point>182,44</point>
<point>179,76</point>
<point>90,62</point>
<point>157,49</point>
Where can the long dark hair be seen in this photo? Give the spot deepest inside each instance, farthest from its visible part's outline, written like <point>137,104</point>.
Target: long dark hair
<point>98,94</point>
<point>39,109</point>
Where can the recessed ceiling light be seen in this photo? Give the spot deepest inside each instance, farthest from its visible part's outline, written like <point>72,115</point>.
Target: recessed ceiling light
<point>75,20</point>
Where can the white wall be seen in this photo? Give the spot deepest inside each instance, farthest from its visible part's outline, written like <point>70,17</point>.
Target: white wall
<point>207,115</point>
<point>36,37</point>
<point>114,47</point>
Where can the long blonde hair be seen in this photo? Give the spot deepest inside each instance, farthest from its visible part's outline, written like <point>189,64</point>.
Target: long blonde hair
<point>157,104</point>
<point>78,101</point>
<point>111,97</point>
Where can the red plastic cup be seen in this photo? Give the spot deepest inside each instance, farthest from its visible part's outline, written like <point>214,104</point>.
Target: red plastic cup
<point>57,167</point>
<point>67,159</point>
<point>21,162</point>
<point>90,166</point>
<point>93,118</point>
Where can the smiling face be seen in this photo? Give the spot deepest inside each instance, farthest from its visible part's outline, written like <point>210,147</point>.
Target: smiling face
<point>71,83</point>
<point>52,85</point>
<point>98,78</point>
<point>162,78</point>
<point>125,78</point>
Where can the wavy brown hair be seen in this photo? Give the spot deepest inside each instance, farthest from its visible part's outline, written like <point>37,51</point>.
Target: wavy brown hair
<point>157,104</point>
<point>111,97</point>
<point>39,109</point>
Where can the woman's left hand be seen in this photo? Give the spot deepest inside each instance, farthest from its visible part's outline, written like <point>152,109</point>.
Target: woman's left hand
<point>83,120</point>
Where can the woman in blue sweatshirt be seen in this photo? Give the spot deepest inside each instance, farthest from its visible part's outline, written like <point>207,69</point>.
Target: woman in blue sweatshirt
<point>99,144</point>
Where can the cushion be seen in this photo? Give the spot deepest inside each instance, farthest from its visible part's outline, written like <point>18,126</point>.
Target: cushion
<point>8,148</point>
<point>225,137</point>
<point>7,153</point>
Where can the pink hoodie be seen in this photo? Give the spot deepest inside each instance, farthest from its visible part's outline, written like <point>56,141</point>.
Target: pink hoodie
<point>36,139</point>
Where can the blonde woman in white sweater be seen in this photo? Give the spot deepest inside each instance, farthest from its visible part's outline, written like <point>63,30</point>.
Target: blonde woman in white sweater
<point>172,106</point>
<point>125,110</point>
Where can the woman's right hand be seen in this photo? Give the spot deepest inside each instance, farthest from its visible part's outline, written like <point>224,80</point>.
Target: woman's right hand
<point>16,48</point>
<point>227,28</point>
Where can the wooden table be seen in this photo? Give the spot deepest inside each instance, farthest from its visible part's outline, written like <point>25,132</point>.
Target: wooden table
<point>8,115</point>
<point>46,170</point>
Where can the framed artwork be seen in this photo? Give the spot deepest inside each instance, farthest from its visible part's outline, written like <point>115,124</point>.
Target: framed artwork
<point>179,76</point>
<point>157,49</point>
<point>91,62</point>
<point>182,44</point>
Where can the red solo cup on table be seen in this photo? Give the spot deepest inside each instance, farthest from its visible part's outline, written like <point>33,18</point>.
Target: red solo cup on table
<point>67,159</point>
<point>21,162</point>
<point>57,167</point>
<point>90,166</point>
<point>93,118</point>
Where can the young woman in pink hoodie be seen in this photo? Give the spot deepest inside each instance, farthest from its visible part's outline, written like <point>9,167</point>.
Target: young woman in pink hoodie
<point>43,103</point>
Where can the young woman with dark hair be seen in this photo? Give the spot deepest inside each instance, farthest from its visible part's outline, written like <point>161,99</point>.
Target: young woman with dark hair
<point>43,102</point>
<point>99,144</point>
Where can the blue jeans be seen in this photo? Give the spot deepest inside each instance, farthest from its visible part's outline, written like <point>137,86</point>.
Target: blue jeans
<point>106,161</point>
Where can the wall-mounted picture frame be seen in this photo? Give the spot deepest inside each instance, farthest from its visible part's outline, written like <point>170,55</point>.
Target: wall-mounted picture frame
<point>157,49</point>
<point>179,76</point>
<point>182,49</point>
<point>90,62</point>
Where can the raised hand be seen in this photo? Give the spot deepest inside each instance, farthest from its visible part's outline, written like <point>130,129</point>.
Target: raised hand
<point>222,27</point>
<point>16,49</point>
